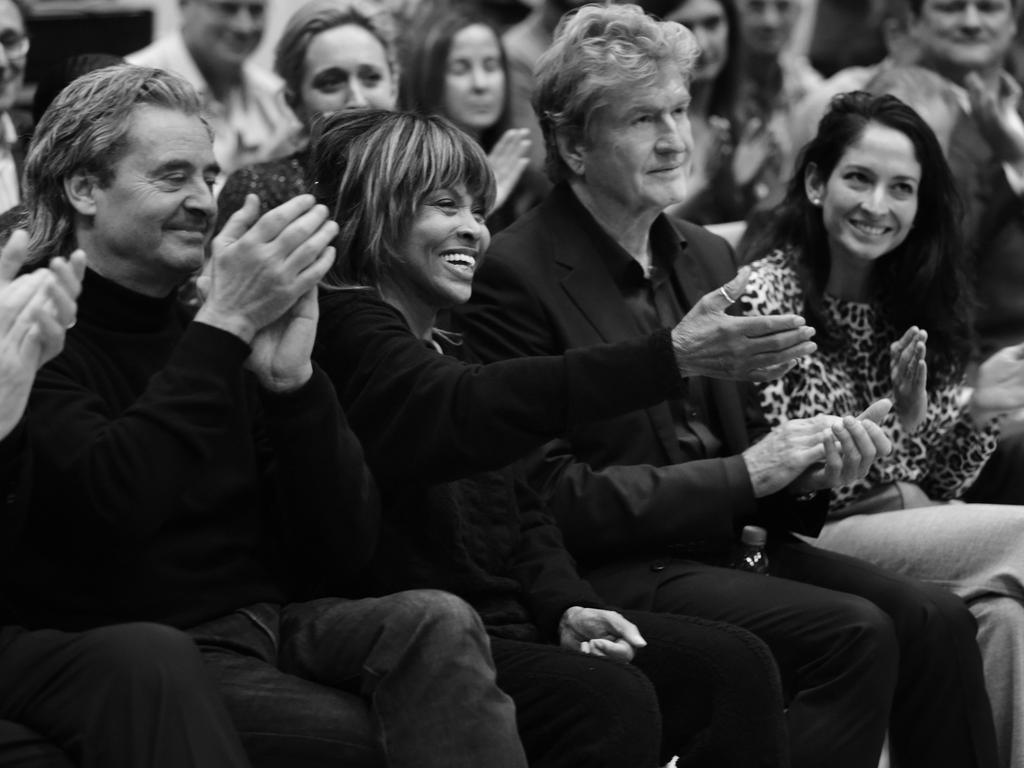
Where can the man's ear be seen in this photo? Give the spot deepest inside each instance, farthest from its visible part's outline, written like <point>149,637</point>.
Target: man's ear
<point>80,189</point>
<point>814,186</point>
<point>572,149</point>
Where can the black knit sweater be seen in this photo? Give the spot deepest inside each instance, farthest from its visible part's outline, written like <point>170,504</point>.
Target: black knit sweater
<point>169,486</point>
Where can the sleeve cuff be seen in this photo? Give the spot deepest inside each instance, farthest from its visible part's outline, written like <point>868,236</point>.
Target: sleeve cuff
<point>211,348</point>
<point>308,399</point>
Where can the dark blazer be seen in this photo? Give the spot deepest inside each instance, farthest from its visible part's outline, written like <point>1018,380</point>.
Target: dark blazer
<point>621,487</point>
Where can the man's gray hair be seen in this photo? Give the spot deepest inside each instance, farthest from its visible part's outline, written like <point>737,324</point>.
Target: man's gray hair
<point>597,51</point>
<point>86,129</point>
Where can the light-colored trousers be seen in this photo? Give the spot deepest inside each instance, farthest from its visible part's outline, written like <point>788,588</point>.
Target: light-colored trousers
<point>977,551</point>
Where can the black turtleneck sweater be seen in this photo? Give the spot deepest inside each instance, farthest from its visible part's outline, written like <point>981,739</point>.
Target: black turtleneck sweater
<point>169,486</point>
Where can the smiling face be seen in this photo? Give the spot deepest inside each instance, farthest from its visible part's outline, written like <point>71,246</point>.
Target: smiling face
<point>346,67</point>
<point>474,81</point>
<point>147,226</point>
<point>957,36</point>
<point>709,24</point>
<point>444,247</point>
<point>636,156</point>
<point>869,201</point>
<point>767,25</point>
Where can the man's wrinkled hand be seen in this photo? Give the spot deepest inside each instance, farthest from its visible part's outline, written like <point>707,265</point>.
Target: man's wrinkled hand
<point>261,266</point>
<point>710,342</point>
<point>818,453</point>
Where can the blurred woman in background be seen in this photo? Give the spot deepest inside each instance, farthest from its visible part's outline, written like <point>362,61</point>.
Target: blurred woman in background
<point>333,55</point>
<point>454,65</point>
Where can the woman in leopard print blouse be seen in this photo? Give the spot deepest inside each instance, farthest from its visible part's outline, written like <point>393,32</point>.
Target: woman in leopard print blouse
<point>866,246</point>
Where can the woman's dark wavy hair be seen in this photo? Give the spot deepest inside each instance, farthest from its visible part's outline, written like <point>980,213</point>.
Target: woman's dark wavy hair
<point>922,281</point>
<point>424,62</point>
<point>372,169</point>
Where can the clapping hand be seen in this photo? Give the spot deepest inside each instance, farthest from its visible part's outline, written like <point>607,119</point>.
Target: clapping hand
<point>855,444</point>
<point>1000,385</point>
<point>508,160</point>
<point>36,309</point>
<point>817,453</point>
<point>599,632</point>
<point>261,281</point>
<point>995,111</point>
<point>908,370</point>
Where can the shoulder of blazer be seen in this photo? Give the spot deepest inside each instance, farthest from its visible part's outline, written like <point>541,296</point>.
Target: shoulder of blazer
<point>538,238</point>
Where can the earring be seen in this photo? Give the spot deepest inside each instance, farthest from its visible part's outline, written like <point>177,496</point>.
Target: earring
<point>815,201</point>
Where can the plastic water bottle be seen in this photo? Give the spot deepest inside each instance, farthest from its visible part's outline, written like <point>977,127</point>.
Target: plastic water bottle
<point>750,556</point>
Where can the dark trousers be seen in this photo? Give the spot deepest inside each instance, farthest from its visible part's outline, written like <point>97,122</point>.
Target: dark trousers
<point>859,650</point>
<point>130,696</point>
<point>703,690</point>
<point>402,680</point>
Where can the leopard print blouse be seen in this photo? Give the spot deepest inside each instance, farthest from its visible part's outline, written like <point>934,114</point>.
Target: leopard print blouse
<point>943,456</point>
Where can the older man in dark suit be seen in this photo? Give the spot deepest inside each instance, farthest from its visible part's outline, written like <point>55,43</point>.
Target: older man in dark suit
<point>650,502</point>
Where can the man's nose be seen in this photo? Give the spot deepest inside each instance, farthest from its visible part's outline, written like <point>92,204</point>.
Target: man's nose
<point>200,200</point>
<point>672,138</point>
<point>970,19</point>
<point>770,16</point>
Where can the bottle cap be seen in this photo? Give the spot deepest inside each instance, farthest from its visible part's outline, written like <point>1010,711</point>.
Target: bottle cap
<point>754,536</point>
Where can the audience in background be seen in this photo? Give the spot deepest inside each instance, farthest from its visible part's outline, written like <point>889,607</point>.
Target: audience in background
<point>930,95</point>
<point>969,47</point>
<point>722,169</point>
<point>900,52</point>
<point>15,123</point>
<point>845,33</point>
<point>772,83</point>
<point>867,246</point>
<point>454,65</point>
<point>58,77</point>
<point>524,43</point>
<point>53,81</point>
<point>243,103</point>
<point>650,502</point>
<point>333,55</point>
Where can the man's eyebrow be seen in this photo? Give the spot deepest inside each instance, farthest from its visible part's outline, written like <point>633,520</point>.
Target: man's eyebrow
<point>175,164</point>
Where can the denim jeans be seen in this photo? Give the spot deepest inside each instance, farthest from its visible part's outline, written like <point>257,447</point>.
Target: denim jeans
<point>123,696</point>
<point>401,680</point>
